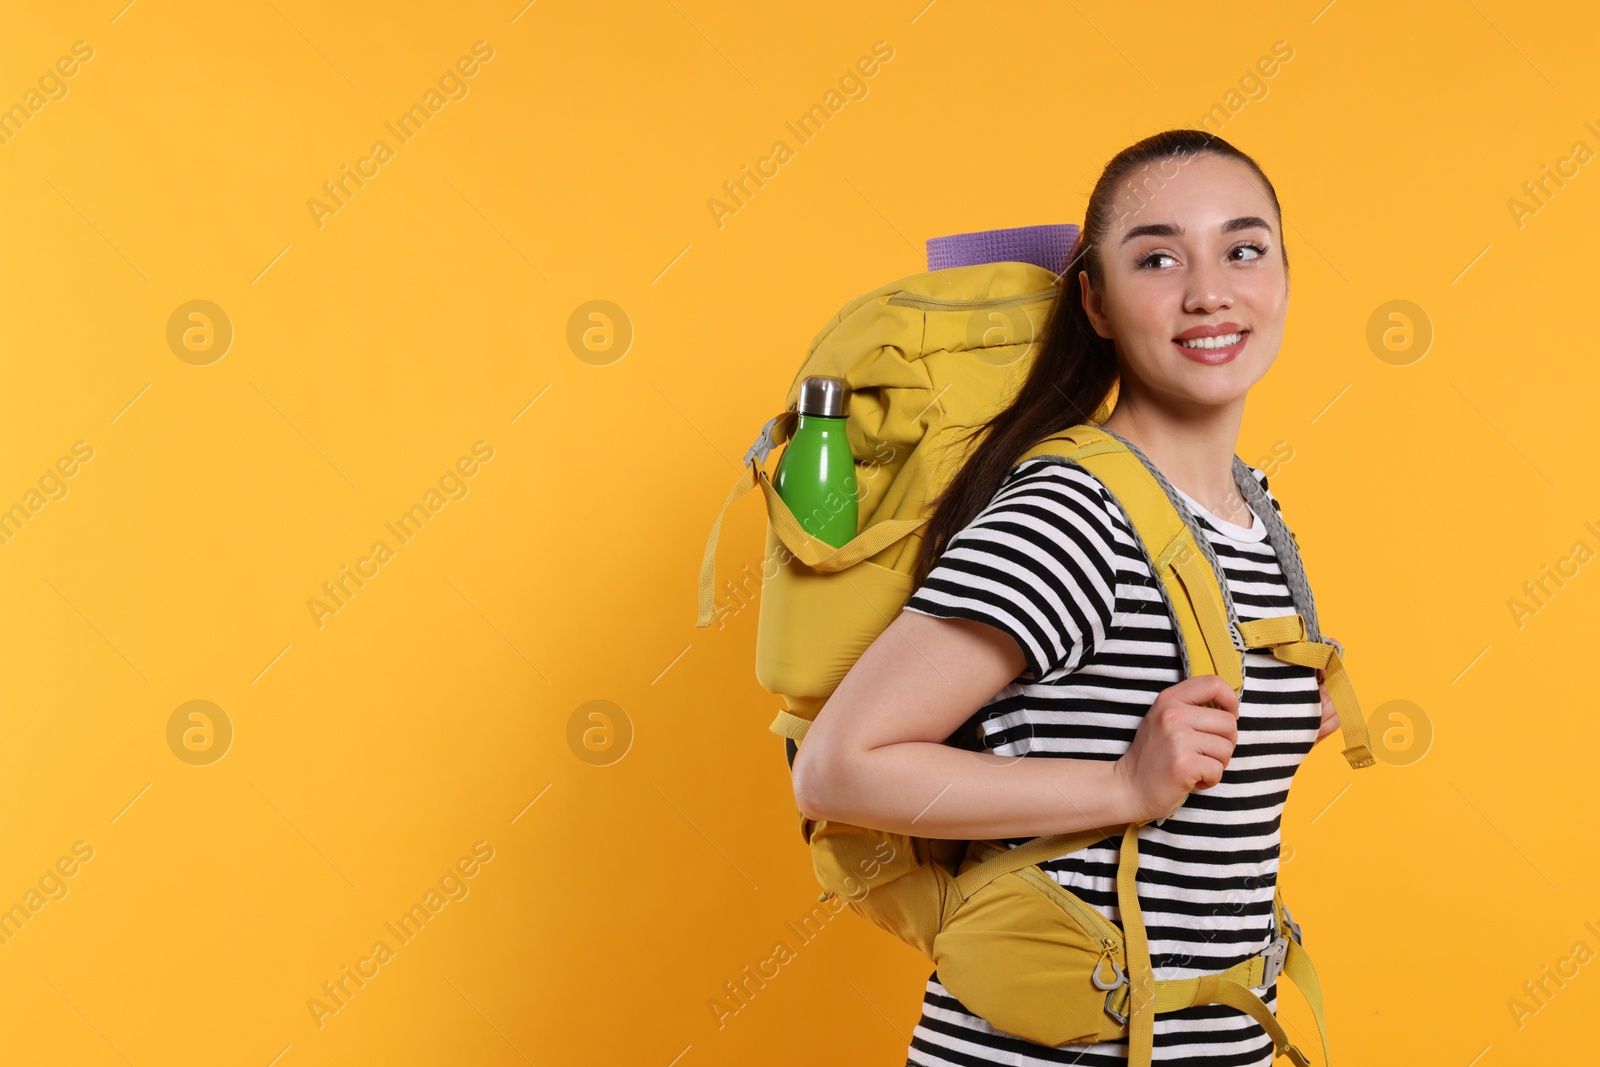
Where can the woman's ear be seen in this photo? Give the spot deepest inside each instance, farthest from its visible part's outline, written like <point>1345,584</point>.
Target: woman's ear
<point>1093,306</point>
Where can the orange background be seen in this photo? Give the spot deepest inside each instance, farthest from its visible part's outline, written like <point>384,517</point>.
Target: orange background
<point>432,713</point>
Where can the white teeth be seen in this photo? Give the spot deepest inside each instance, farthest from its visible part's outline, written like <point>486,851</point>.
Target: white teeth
<point>1213,342</point>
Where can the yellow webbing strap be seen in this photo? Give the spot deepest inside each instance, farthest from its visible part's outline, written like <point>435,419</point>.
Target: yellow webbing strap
<point>1298,969</point>
<point>1235,987</point>
<point>1263,633</point>
<point>1234,995</point>
<point>1286,636</point>
<point>1225,988</point>
<point>708,562</point>
<point>1175,993</point>
<point>1038,850</point>
<point>819,554</point>
<point>1204,596</point>
<point>1141,1010</point>
<point>791,726</point>
<point>1167,539</point>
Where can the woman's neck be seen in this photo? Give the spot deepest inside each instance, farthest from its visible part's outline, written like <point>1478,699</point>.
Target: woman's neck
<point>1193,453</point>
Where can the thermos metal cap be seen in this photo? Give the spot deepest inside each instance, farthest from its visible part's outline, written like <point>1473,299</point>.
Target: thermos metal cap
<point>825,396</point>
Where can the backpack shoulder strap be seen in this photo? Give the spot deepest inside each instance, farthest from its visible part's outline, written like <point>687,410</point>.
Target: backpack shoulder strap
<point>1208,642</point>
<point>1211,640</point>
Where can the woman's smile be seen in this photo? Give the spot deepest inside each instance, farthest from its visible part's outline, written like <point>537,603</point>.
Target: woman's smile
<point>1212,344</point>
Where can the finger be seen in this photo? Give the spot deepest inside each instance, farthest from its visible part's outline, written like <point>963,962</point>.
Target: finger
<point>1203,689</point>
<point>1214,747</point>
<point>1214,722</point>
<point>1210,774</point>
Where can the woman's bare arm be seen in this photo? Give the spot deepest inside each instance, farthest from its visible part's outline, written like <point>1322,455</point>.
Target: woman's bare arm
<point>874,757</point>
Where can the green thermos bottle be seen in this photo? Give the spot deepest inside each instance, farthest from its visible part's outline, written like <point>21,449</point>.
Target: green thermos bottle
<point>817,471</point>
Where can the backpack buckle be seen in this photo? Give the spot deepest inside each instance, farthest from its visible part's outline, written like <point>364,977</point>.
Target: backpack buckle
<point>1122,1020</point>
<point>764,442</point>
<point>1273,956</point>
<point>1294,927</point>
<point>1238,637</point>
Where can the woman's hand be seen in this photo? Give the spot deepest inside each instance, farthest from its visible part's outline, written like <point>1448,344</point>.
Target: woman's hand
<point>1182,744</point>
<point>1330,716</point>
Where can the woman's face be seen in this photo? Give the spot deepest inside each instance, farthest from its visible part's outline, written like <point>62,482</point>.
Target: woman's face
<point>1188,253</point>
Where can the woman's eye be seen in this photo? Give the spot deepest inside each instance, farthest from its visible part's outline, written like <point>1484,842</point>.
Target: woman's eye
<point>1148,261</point>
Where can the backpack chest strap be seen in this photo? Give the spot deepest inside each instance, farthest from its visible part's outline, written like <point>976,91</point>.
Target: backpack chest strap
<point>1285,637</point>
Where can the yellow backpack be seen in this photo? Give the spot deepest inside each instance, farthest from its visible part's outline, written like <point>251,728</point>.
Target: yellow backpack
<point>924,356</point>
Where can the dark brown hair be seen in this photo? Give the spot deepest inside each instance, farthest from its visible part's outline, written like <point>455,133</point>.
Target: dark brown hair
<point>1075,369</point>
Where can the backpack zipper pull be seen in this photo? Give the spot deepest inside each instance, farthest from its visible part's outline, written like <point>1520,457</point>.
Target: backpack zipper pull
<point>1108,952</point>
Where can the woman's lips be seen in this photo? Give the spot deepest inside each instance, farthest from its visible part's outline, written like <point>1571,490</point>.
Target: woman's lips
<point>1215,355</point>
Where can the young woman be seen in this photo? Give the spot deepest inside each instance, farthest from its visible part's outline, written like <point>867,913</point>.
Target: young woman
<point>1038,625</point>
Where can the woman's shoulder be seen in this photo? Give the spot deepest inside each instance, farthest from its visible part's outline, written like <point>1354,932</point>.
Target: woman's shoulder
<point>1073,485</point>
<point>1060,473</point>
<point>1043,561</point>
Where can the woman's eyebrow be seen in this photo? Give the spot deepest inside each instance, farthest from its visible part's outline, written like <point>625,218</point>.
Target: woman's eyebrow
<point>1169,229</point>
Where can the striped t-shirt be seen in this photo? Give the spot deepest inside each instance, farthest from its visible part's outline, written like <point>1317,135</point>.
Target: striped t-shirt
<point>1053,561</point>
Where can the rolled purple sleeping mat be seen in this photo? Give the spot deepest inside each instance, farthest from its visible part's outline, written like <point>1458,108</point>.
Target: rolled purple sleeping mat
<point>1043,246</point>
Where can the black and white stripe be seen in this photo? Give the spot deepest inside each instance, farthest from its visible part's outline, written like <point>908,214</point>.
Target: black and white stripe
<point>1054,562</point>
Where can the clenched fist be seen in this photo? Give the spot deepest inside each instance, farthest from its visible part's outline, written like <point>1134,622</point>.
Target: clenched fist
<point>1183,744</point>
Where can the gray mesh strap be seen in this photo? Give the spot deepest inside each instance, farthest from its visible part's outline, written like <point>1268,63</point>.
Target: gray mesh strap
<point>1294,571</point>
<point>1277,535</point>
<point>1200,538</point>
